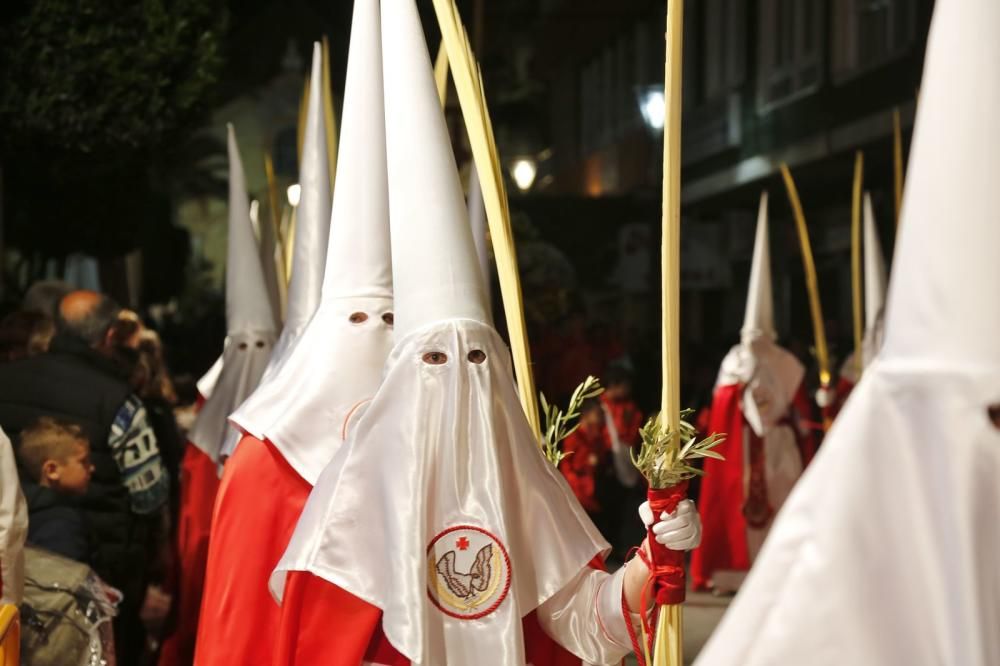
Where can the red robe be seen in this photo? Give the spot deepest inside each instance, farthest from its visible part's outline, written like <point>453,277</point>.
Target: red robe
<point>721,503</point>
<point>587,454</point>
<point>259,502</point>
<point>312,606</point>
<point>844,388</point>
<point>199,483</point>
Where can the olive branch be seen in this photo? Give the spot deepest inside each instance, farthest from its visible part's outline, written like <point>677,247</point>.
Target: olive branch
<point>557,422</point>
<point>665,458</point>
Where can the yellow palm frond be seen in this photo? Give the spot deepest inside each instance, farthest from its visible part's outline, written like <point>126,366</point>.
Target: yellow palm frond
<point>469,86</point>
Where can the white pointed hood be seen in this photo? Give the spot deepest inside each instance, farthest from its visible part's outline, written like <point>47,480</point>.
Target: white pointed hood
<point>249,319</point>
<point>876,280</point>
<point>443,458</point>
<point>887,550</point>
<point>312,226</point>
<point>312,234</point>
<point>248,306</point>
<point>337,361</point>
<point>758,319</point>
<point>772,375</point>
<point>947,246</point>
<point>434,265</point>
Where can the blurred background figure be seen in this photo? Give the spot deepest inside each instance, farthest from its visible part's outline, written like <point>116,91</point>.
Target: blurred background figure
<point>25,333</point>
<point>44,296</point>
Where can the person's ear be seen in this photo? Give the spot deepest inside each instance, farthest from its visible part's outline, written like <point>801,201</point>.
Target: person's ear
<point>109,337</point>
<point>50,470</point>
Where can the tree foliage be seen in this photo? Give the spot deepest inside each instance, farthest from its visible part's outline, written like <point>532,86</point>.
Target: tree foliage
<point>100,108</point>
<point>107,76</point>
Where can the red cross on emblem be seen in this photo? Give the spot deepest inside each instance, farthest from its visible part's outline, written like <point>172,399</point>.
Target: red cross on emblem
<point>462,543</point>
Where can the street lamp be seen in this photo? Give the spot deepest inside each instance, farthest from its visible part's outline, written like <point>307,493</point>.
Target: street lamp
<point>652,105</point>
<point>294,193</point>
<point>524,171</point>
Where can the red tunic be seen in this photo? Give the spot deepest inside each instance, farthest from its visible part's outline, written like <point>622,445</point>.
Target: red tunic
<point>312,606</point>
<point>722,500</point>
<point>258,504</point>
<point>199,483</point>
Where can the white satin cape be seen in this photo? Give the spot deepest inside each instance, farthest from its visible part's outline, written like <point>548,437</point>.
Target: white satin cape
<point>442,446</point>
<point>336,364</point>
<point>888,550</point>
<point>243,361</point>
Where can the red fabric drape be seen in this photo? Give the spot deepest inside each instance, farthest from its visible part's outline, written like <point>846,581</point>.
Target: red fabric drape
<point>199,483</point>
<point>723,541</point>
<point>805,436</point>
<point>844,388</point>
<point>324,624</point>
<point>258,504</point>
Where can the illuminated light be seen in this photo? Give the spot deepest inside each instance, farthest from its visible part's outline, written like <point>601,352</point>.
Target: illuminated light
<point>652,105</point>
<point>524,171</point>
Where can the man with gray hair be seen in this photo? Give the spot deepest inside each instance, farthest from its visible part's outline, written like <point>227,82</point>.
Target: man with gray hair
<point>78,380</point>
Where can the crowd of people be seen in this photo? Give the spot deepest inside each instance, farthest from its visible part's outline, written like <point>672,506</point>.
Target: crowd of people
<point>87,402</point>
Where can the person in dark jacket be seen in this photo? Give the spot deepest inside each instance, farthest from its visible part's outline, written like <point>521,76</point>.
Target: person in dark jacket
<point>55,456</point>
<point>78,380</point>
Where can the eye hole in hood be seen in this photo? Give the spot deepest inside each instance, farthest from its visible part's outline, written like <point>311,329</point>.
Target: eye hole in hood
<point>435,358</point>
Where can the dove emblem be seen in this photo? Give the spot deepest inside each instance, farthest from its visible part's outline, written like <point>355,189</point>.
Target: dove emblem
<point>468,572</point>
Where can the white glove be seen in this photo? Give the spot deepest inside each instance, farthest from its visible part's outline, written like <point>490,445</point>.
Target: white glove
<point>680,530</point>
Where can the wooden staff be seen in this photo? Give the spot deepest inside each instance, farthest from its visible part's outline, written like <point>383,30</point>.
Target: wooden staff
<point>812,285</point>
<point>329,117</point>
<point>668,648</point>
<point>300,132</point>
<point>441,74</point>
<point>859,161</point>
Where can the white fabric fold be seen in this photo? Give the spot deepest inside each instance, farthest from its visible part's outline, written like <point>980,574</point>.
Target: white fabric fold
<point>443,447</point>
<point>303,407</point>
<point>13,526</point>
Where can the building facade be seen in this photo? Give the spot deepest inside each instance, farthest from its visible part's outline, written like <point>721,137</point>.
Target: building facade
<point>805,82</point>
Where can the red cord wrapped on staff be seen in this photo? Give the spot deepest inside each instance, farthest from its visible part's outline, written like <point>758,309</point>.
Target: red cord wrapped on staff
<point>666,459</point>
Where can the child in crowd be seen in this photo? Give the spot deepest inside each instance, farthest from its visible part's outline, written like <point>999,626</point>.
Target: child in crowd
<point>55,456</point>
<point>624,419</point>
<point>587,450</point>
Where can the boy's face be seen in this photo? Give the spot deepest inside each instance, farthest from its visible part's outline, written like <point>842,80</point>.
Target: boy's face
<point>71,475</point>
<point>592,418</point>
<point>619,391</point>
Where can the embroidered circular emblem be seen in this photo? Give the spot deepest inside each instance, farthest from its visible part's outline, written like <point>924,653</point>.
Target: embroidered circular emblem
<point>468,572</point>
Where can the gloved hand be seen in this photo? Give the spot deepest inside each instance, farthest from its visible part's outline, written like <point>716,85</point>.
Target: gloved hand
<point>680,530</point>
